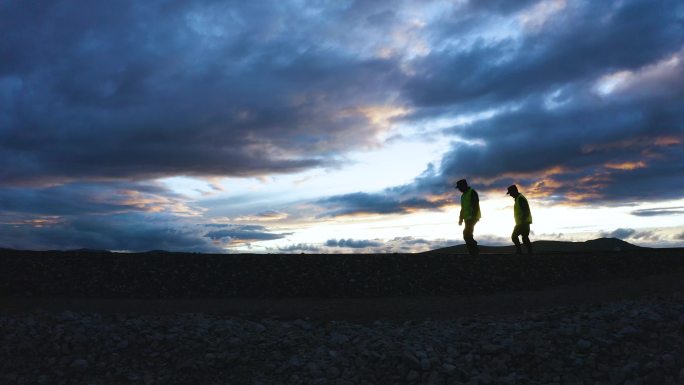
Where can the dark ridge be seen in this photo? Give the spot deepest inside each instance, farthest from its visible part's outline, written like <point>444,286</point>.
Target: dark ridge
<point>600,244</point>
<point>86,250</point>
<point>185,275</point>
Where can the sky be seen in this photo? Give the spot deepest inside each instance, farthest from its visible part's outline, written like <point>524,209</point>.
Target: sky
<point>337,126</point>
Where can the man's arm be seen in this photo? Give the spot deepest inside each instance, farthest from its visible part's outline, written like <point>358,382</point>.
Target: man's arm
<point>475,207</point>
<point>525,207</point>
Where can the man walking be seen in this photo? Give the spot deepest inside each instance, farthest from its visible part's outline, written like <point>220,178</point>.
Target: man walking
<point>470,213</point>
<point>523,219</point>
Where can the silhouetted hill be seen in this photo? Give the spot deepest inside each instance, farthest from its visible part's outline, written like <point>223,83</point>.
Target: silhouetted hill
<point>86,250</point>
<point>600,244</point>
<point>184,275</point>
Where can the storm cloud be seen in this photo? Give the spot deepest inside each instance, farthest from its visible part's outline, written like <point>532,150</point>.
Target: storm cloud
<point>97,91</point>
<point>621,233</point>
<point>242,233</point>
<point>367,203</point>
<point>580,104</point>
<point>120,232</point>
<point>659,211</point>
<point>582,114</point>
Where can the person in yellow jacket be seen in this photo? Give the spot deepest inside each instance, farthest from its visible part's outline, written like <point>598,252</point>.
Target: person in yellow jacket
<point>470,214</point>
<point>523,220</point>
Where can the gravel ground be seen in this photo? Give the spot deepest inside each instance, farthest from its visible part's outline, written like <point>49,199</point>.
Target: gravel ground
<point>182,275</point>
<point>625,342</point>
<point>621,323</point>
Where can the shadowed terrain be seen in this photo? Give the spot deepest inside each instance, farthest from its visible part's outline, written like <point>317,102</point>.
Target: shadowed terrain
<point>560,317</point>
<point>181,275</point>
<point>594,245</point>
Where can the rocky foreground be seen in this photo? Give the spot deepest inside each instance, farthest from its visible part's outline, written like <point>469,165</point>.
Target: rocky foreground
<point>619,342</point>
<point>627,342</point>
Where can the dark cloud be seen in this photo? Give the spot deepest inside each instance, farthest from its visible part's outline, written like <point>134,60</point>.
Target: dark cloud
<point>658,211</point>
<point>648,236</point>
<point>96,98</point>
<point>410,244</point>
<point>122,232</point>
<point>634,235</point>
<point>620,233</point>
<point>680,237</point>
<point>352,243</point>
<point>300,248</point>
<point>394,245</point>
<point>554,132</point>
<point>78,199</point>
<point>426,192</point>
<point>200,88</point>
<point>499,6</point>
<point>365,203</point>
<point>585,42</point>
<point>585,153</point>
<point>587,109</point>
<point>243,233</point>
<point>111,216</point>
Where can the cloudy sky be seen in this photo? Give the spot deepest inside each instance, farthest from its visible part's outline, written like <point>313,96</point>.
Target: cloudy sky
<point>337,126</point>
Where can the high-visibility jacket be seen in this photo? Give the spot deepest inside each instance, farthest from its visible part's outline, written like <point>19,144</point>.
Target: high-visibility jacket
<point>520,217</point>
<point>467,206</point>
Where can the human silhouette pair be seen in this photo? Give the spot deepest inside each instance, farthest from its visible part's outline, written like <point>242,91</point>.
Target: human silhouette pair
<point>470,214</point>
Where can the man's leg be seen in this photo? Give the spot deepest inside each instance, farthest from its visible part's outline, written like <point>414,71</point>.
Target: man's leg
<point>516,241</point>
<point>525,232</point>
<point>471,244</point>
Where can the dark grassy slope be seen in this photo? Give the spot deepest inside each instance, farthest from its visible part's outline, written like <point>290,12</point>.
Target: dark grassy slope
<point>180,275</point>
<point>594,245</point>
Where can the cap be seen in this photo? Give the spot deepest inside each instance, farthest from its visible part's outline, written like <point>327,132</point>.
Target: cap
<point>512,188</point>
<point>461,182</point>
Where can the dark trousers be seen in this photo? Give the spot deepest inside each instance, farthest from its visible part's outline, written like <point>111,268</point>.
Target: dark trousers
<point>524,230</point>
<point>471,243</point>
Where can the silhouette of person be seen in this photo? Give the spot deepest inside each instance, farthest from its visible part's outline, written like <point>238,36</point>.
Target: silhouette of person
<point>470,214</point>
<point>523,219</point>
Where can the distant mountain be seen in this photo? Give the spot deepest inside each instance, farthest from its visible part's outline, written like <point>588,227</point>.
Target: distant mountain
<point>85,250</point>
<point>600,244</point>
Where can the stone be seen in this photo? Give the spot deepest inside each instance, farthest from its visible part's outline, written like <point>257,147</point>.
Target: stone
<point>668,361</point>
<point>492,348</point>
<point>412,376</point>
<point>338,338</point>
<point>628,330</point>
<point>583,345</point>
<point>617,376</point>
<point>302,324</point>
<point>333,372</point>
<point>79,364</point>
<point>411,360</point>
